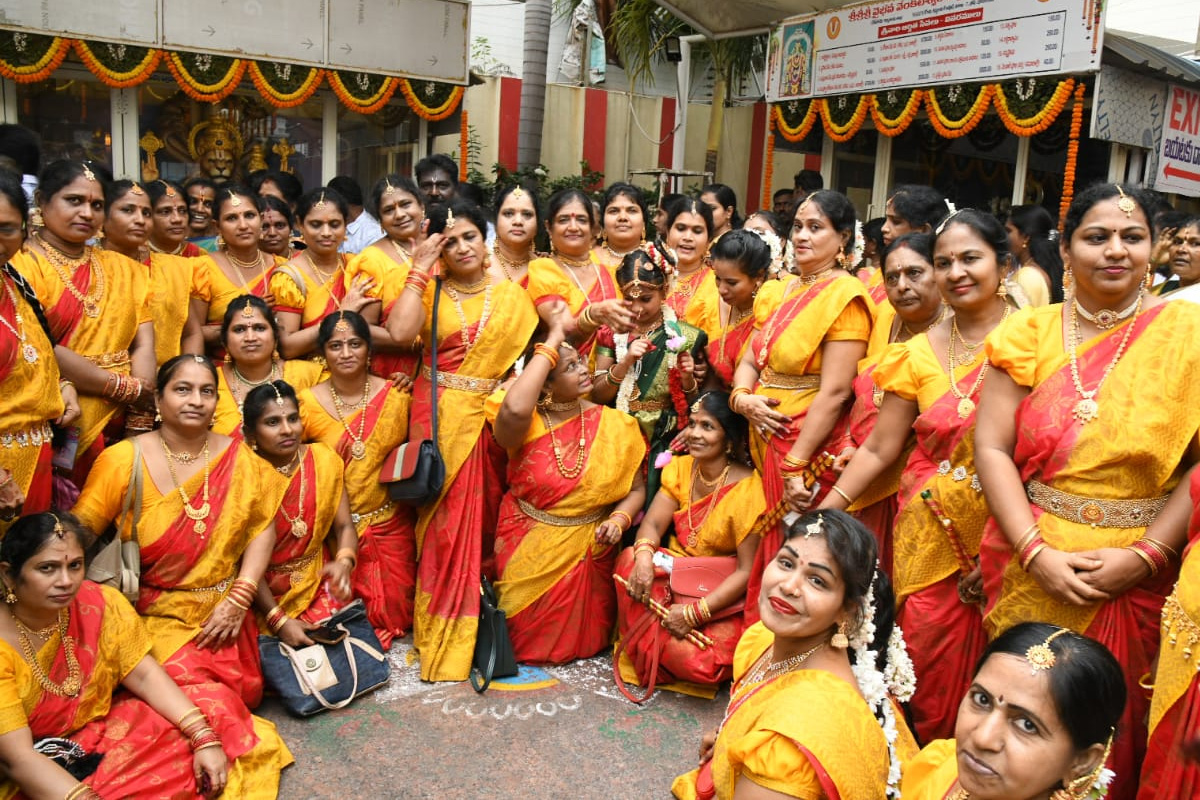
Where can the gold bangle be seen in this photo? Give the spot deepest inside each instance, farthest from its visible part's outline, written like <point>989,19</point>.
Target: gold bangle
<point>350,553</point>
<point>229,598</point>
<point>1037,551</point>
<point>628,519</point>
<point>1144,557</point>
<point>1167,551</point>
<point>1028,536</point>
<point>846,497</point>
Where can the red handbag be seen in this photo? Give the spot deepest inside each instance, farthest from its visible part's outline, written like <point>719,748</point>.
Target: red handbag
<point>695,577</point>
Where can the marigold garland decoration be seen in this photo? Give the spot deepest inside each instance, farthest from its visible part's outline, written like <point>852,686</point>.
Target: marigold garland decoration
<point>119,66</point>
<point>1068,192</point>
<point>204,77</point>
<point>431,100</point>
<point>833,115</point>
<point>464,147</point>
<point>30,57</point>
<point>769,165</point>
<point>795,118</point>
<point>362,91</point>
<point>285,85</point>
<point>1033,114</point>
<point>964,110</point>
<point>893,113</point>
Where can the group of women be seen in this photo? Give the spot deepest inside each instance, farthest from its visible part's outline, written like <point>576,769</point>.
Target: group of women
<point>623,422</point>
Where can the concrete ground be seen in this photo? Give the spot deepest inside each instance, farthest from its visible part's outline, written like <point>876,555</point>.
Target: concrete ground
<point>562,732</point>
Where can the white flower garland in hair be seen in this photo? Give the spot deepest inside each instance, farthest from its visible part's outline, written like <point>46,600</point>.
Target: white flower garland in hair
<point>878,687</point>
<point>860,244</point>
<point>775,245</point>
<point>621,348</point>
<point>788,264</point>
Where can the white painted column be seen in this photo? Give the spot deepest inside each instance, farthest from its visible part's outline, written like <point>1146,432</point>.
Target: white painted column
<point>883,176</point>
<point>8,101</point>
<point>827,147</point>
<point>1020,171</point>
<point>329,137</point>
<point>683,83</point>
<point>126,156</point>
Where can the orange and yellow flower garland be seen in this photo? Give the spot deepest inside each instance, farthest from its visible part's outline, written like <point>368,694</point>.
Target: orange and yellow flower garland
<point>427,112</point>
<point>769,166</point>
<point>844,132</point>
<point>954,128</point>
<point>282,99</point>
<point>798,132</point>
<point>1040,121</point>
<point>363,105</point>
<point>40,68</point>
<point>118,79</point>
<point>894,126</point>
<point>464,145</point>
<point>1068,192</point>
<point>202,92</point>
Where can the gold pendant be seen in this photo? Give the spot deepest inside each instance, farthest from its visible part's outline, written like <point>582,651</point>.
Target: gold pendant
<point>1086,410</point>
<point>91,307</point>
<point>358,451</point>
<point>877,396</point>
<point>200,527</point>
<point>30,352</point>
<point>71,686</point>
<point>299,528</point>
<point>966,407</point>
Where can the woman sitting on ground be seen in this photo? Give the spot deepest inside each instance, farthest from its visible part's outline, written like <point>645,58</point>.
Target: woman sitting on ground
<point>68,645</point>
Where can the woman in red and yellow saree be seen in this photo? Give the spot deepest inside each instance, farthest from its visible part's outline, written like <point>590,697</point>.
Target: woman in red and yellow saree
<point>305,581</point>
<point>313,284</point>
<point>741,264</point>
<point>483,327</point>
<point>249,337</point>
<point>713,499</point>
<point>517,222</point>
<point>28,371</point>
<point>381,269</point>
<point>941,509</point>
<point>693,295</point>
<point>573,275</point>
<point>1075,463</point>
<point>237,268</point>
<point>801,722</point>
<point>575,482</point>
<point>914,306</point>
<point>623,223</point>
<point>57,681</point>
<point>797,373</point>
<point>169,231</point>
<point>1036,723</point>
<point>363,418</point>
<point>205,528</point>
<point>97,305</point>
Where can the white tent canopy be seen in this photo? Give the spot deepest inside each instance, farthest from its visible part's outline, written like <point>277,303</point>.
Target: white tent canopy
<point>742,18</point>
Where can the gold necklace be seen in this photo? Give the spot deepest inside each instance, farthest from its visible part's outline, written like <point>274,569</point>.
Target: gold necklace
<point>177,251</point>
<point>71,684</point>
<point>28,351</point>
<point>567,261</point>
<point>1087,409</point>
<point>566,264</point>
<point>764,669</point>
<point>969,348</point>
<point>239,394</point>
<point>615,254</point>
<point>911,333</point>
<point>567,406</point>
<point>694,533</point>
<point>326,277</point>
<point>507,264</point>
<point>405,256</point>
<point>240,264</point>
<point>966,406</point>
<point>65,267</point>
<point>468,288</point>
<point>580,454</point>
<point>196,515</point>
<point>358,450</point>
<point>1106,319</point>
<point>298,525</point>
<point>813,277</point>
<point>462,315</point>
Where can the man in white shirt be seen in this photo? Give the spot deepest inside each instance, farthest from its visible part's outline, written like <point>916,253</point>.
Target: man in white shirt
<point>362,229</point>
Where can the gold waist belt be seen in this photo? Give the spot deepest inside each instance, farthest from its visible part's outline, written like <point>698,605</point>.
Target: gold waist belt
<point>463,383</point>
<point>1097,513</point>
<point>560,522</point>
<point>1177,625</point>
<point>770,379</point>
<point>372,516</point>
<point>109,360</point>
<point>647,405</point>
<point>217,589</point>
<point>30,437</point>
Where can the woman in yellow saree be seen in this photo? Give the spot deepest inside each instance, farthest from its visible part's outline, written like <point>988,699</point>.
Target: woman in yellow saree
<point>484,330</point>
<point>811,712</point>
<point>90,686</point>
<point>575,483</point>
<point>205,527</point>
<point>693,292</point>
<point>1075,463</point>
<point>97,304</point>
<point>797,374</point>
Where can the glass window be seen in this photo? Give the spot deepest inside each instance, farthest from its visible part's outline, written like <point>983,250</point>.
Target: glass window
<point>72,114</point>
<point>371,146</point>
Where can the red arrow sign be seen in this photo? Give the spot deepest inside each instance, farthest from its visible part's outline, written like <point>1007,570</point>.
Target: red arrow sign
<point>1170,171</point>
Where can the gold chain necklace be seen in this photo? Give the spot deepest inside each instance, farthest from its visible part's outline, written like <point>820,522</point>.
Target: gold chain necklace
<point>566,264</point>
<point>239,394</point>
<point>813,277</point>
<point>1106,319</point>
<point>196,515</point>
<point>240,264</point>
<point>615,254</point>
<point>468,288</point>
<point>1087,409</point>
<point>966,406</point>
<point>28,351</point>
<point>765,669</point>
<point>580,454</point>
<point>71,684</point>
<point>358,450</point>
<point>298,525</point>
<point>405,256</point>
<point>462,314</point>
<point>694,533</point>
<point>508,265</point>
<point>65,267</point>
<point>324,277</point>
<point>911,333</point>
<point>177,251</point>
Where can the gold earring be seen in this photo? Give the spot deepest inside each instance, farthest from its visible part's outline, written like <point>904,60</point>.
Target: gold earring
<point>9,596</point>
<point>220,242</point>
<point>1002,290</point>
<point>35,218</point>
<point>840,641</point>
<point>158,416</point>
<point>1149,278</point>
<point>1068,280</point>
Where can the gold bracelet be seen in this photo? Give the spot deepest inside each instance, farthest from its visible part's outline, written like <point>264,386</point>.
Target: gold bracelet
<point>236,604</point>
<point>737,392</point>
<point>1149,562</point>
<point>1167,551</point>
<point>1037,551</point>
<point>1027,537</point>
<point>350,553</point>
<point>846,497</point>
<point>628,519</point>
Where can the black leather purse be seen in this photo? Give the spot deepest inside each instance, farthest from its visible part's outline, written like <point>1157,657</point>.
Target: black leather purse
<point>494,657</point>
<point>414,472</point>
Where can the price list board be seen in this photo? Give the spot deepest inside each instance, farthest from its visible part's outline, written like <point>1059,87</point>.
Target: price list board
<point>912,43</point>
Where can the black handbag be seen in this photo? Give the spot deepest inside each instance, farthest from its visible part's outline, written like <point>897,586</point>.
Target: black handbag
<point>414,472</point>
<point>494,657</point>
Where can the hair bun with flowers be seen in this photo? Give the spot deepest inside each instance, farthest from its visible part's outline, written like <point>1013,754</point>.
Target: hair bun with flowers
<point>662,257</point>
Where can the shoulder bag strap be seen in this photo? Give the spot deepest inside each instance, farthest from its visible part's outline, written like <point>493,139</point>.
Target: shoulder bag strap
<point>648,624</point>
<point>433,365</point>
<point>131,505</point>
<point>481,685</point>
<point>303,678</point>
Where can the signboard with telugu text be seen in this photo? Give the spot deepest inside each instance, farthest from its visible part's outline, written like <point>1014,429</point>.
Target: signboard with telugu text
<point>1179,153</point>
<point>902,44</point>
